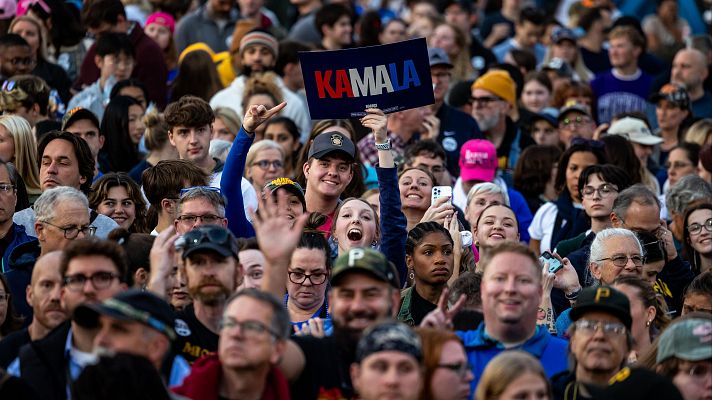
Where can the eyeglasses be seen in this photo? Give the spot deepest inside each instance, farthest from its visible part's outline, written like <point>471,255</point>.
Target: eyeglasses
<point>441,75</point>
<point>590,327</point>
<point>603,191</point>
<point>461,368</point>
<point>22,61</point>
<point>208,188</point>
<point>210,219</point>
<point>100,280</point>
<point>7,188</point>
<point>696,229</point>
<point>575,122</point>
<point>4,297</point>
<point>483,101</point>
<point>299,278</point>
<point>248,328</point>
<point>73,231</point>
<point>265,164</point>
<point>621,260</point>
<point>121,63</point>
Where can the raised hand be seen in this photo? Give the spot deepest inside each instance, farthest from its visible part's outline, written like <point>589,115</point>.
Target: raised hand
<point>566,278</point>
<point>441,317</point>
<point>439,211</point>
<point>257,114</point>
<point>161,258</point>
<point>313,327</point>
<point>431,127</point>
<point>276,237</point>
<point>376,121</point>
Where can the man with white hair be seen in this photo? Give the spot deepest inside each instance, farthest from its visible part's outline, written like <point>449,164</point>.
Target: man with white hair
<point>614,252</point>
<point>61,216</point>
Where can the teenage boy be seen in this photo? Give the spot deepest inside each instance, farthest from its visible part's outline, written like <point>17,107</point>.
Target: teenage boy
<point>83,123</point>
<point>15,56</point>
<point>334,24</point>
<point>114,57</point>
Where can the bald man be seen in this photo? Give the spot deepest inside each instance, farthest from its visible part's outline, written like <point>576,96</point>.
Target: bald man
<point>689,69</point>
<point>43,295</point>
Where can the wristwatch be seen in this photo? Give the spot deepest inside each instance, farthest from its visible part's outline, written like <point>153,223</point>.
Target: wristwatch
<point>573,295</point>
<point>384,146</point>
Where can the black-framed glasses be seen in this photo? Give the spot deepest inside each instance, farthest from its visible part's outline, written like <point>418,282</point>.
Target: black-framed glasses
<point>249,328</point>
<point>696,229</point>
<point>72,232</point>
<point>603,191</point>
<point>590,327</point>
<point>484,100</point>
<point>7,188</point>
<point>620,260</point>
<point>460,368</point>
<point>100,280</point>
<point>210,219</point>
<point>208,188</point>
<point>300,277</point>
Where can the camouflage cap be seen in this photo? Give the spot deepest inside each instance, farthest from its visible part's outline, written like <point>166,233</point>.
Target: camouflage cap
<point>370,261</point>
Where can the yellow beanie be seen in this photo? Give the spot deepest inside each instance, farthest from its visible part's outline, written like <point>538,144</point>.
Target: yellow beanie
<point>195,47</point>
<point>500,84</point>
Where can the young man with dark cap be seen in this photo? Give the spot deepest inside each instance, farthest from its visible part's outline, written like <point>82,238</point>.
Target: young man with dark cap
<point>389,362</point>
<point>258,52</point>
<point>211,269</point>
<point>456,127</point>
<point>136,322</point>
<point>575,121</point>
<point>672,110</point>
<point>328,171</point>
<point>245,366</point>
<point>600,340</point>
<point>83,123</point>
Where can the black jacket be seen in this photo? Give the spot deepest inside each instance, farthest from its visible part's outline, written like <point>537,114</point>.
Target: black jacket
<point>44,365</point>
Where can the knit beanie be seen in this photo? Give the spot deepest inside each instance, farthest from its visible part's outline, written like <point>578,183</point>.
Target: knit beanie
<point>259,37</point>
<point>500,84</point>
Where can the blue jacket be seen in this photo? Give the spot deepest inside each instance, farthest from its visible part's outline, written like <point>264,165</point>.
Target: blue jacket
<point>481,349</point>
<point>19,237</point>
<point>18,272</point>
<point>231,186</point>
<point>393,222</point>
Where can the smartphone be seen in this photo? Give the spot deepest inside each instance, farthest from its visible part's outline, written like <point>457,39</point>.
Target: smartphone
<point>441,191</point>
<point>554,264</point>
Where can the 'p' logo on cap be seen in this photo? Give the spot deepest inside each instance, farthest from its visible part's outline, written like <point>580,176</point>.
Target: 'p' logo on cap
<point>601,293</point>
<point>355,255</point>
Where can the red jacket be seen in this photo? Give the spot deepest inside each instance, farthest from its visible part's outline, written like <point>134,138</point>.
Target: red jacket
<point>203,383</point>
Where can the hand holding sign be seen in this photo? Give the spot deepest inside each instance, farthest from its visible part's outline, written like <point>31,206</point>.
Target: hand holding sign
<point>257,114</point>
<point>376,121</point>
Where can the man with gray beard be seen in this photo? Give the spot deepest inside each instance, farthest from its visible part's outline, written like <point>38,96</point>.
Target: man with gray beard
<point>494,95</point>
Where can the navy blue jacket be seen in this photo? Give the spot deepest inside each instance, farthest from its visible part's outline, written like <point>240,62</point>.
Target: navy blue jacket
<point>456,128</point>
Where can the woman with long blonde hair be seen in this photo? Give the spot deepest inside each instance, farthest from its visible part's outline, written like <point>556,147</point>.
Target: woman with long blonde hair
<point>19,146</point>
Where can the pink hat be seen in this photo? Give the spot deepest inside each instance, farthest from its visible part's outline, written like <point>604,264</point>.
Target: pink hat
<point>162,19</point>
<point>478,160</point>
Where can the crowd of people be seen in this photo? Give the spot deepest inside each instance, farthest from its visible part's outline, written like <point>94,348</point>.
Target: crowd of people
<point>174,225</point>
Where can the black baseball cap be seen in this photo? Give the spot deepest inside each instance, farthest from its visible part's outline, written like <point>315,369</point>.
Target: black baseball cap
<point>131,305</point>
<point>389,336</point>
<point>211,238</point>
<point>78,114</point>
<point>288,185</point>
<point>605,299</point>
<point>329,142</point>
<point>370,261</point>
<point>636,383</point>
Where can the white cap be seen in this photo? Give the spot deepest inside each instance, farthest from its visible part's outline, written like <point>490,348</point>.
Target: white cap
<point>635,131</point>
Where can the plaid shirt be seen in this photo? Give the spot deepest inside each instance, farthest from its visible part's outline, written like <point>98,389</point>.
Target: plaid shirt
<point>369,153</point>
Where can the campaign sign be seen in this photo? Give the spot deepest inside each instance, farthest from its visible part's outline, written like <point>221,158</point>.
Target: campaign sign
<point>343,83</point>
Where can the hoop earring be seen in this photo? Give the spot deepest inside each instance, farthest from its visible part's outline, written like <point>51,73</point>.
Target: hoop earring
<point>411,275</point>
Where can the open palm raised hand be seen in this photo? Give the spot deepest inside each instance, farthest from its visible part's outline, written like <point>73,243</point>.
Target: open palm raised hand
<point>276,237</point>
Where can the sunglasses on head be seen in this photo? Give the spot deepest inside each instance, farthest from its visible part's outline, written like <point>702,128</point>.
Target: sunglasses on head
<point>207,234</point>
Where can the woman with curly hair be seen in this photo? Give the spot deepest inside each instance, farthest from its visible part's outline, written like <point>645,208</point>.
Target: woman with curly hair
<point>118,197</point>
